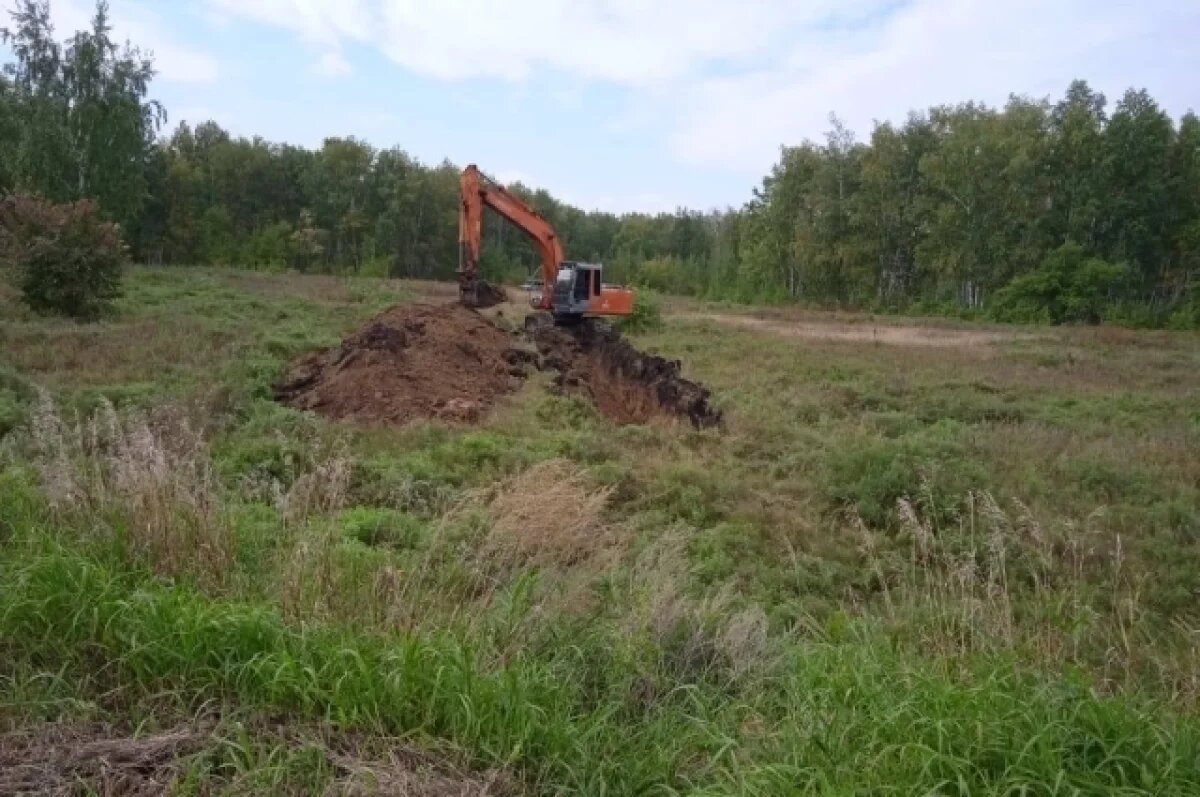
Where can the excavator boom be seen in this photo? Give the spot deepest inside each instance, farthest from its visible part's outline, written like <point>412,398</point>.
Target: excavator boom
<point>478,191</point>
<point>569,290</point>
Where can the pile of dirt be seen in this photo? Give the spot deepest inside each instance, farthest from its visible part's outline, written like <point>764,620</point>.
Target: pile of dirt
<point>449,362</point>
<point>412,361</point>
<point>627,385</point>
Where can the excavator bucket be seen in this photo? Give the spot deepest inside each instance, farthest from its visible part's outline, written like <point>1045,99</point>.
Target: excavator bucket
<point>479,293</point>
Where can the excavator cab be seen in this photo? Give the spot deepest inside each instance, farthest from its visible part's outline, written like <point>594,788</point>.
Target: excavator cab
<point>579,290</point>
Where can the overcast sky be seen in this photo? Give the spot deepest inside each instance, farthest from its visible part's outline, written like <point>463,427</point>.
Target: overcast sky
<point>633,104</point>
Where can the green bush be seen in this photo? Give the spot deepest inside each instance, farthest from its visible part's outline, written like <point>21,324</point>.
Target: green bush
<point>12,412</point>
<point>269,248</point>
<point>646,316</point>
<point>382,526</point>
<point>218,245</point>
<point>1068,286</point>
<point>65,258</point>
<point>667,273</point>
<point>931,467</point>
<point>1186,316</point>
<point>688,493</point>
<point>378,267</point>
<point>15,396</point>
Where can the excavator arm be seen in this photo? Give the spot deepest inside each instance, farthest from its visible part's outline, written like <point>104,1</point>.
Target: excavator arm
<point>478,191</point>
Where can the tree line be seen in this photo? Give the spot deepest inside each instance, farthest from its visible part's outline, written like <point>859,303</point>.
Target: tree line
<point>1040,210</point>
<point>1054,210</point>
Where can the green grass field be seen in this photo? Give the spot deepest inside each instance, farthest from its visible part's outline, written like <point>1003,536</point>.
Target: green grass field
<point>922,558</point>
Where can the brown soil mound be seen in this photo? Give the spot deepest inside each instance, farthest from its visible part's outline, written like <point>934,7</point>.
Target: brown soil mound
<point>412,361</point>
<point>627,385</point>
<point>449,362</point>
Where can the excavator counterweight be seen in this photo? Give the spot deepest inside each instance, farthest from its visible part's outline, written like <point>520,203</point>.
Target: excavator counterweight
<point>570,290</point>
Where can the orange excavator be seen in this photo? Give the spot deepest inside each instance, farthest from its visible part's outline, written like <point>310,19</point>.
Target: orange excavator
<point>570,290</point>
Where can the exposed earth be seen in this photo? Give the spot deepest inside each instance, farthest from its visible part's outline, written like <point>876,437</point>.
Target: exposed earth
<point>448,362</point>
<point>890,334</point>
<point>412,361</point>
<point>627,385</point>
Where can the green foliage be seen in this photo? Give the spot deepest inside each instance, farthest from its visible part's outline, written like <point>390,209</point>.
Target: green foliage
<point>271,444</point>
<point>12,411</point>
<point>65,258</point>
<point>215,237</point>
<point>270,248</point>
<point>931,467</point>
<point>85,128</point>
<point>15,396</point>
<point>986,728</point>
<point>1067,286</point>
<point>686,493</point>
<point>382,526</point>
<point>308,242</point>
<point>663,274</point>
<point>946,211</point>
<point>377,267</point>
<point>466,456</point>
<point>646,315</point>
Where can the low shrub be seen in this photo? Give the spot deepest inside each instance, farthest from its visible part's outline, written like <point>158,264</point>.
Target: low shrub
<point>15,396</point>
<point>380,526</point>
<point>65,259</point>
<point>932,467</point>
<point>1068,286</point>
<point>646,316</point>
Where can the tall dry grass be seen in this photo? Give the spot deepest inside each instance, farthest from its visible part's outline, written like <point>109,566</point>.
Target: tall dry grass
<point>498,559</point>
<point>719,637</point>
<point>1001,581</point>
<point>550,514</point>
<point>143,480</point>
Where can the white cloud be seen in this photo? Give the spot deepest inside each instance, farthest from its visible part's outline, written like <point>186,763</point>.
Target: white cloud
<point>174,61</point>
<point>639,201</point>
<point>178,63</point>
<point>332,64</point>
<point>723,83</point>
<point>643,201</point>
<point>941,51</point>
<point>317,21</point>
<point>511,176</point>
<point>624,41</point>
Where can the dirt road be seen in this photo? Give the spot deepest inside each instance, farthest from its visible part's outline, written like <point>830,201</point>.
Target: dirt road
<point>864,332</point>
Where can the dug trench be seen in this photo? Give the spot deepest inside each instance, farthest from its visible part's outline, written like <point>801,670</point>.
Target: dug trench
<point>451,363</point>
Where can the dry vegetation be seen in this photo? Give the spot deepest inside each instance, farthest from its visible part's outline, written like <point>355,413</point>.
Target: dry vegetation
<point>551,514</point>
<point>962,568</point>
<point>230,756</point>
